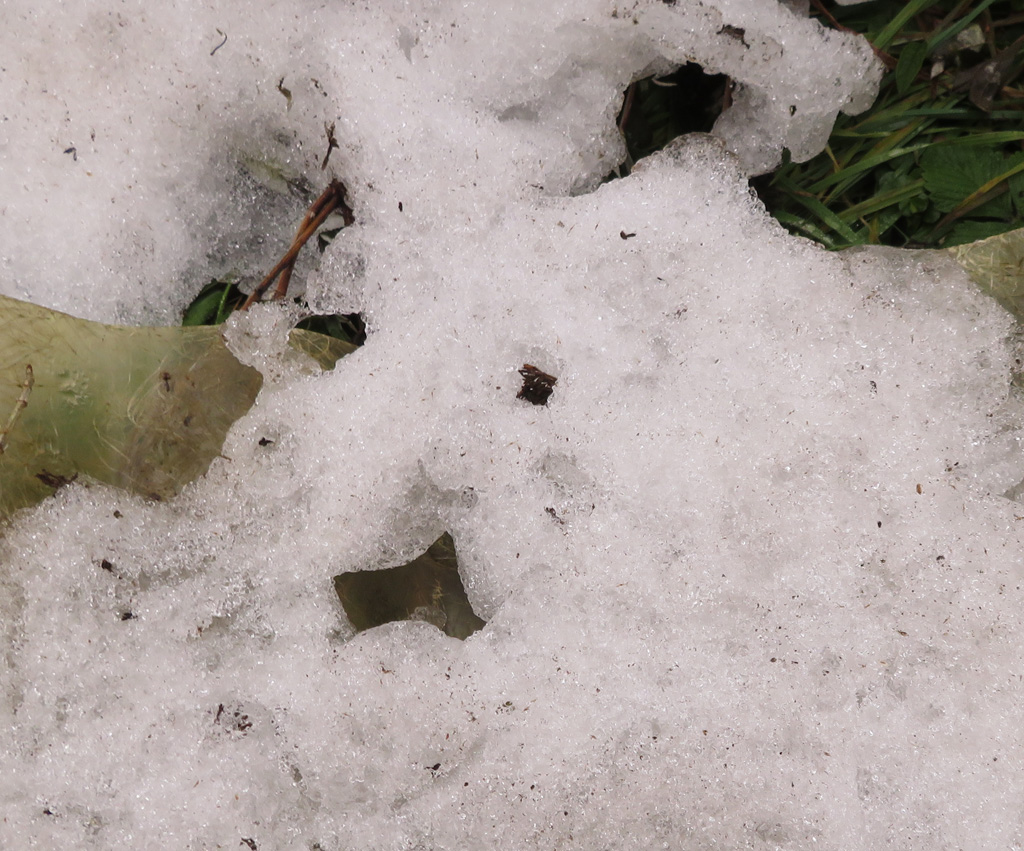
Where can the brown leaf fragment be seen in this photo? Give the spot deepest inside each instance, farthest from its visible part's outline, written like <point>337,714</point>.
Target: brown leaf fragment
<point>537,385</point>
<point>54,480</point>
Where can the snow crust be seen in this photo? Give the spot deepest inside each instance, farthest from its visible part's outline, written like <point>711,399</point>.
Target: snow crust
<point>749,578</point>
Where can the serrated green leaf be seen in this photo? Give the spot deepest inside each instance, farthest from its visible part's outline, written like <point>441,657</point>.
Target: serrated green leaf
<point>951,174</point>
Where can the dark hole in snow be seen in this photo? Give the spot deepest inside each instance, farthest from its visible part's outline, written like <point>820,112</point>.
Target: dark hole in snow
<point>428,588</point>
<point>348,326</point>
<point>656,110</point>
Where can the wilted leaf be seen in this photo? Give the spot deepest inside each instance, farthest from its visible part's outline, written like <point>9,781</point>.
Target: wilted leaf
<point>996,264</point>
<point>145,409</point>
<point>953,173</point>
<point>326,351</point>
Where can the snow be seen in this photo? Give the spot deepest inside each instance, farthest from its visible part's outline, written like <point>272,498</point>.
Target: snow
<point>749,578</point>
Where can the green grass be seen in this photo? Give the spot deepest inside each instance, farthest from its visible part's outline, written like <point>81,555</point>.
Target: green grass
<point>938,160</point>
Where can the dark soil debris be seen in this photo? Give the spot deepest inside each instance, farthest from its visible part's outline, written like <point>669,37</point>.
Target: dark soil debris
<point>537,385</point>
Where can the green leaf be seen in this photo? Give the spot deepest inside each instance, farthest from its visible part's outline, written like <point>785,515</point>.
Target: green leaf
<point>214,304</point>
<point>951,174</point>
<point>144,409</point>
<point>909,65</point>
<point>892,29</point>
<point>973,231</point>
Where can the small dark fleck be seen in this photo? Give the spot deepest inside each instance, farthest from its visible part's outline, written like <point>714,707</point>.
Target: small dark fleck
<point>737,33</point>
<point>625,235</point>
<point>127,616</point>
<point>187,421</point>
<point>54,480</point>
<point>232,720</point>
<point>73,151</point>
<point>537,385</point>
<point>286,92</point>
<point>250,842</point>
<point>874,386</point>
<point>435,766</point>
<point>399,206</point>
<point>554,515</point>
<point>48,812</point>
<point>118,515</point>
<point>879,524</point>
<point>165,377</point>
<point>266,441</point>
<point>219,46</point>
<point>106,565</point>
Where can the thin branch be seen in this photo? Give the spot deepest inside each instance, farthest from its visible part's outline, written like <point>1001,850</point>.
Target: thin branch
<point>333,198</point>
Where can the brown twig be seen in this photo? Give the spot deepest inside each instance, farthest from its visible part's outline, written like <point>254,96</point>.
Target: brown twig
<point>333,198</point>
<point>332,143</point>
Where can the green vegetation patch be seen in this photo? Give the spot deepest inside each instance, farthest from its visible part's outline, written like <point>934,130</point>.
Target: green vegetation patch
<point>938,160</point>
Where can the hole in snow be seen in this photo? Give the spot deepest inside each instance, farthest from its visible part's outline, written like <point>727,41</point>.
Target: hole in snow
<point>428,588</point>
<point>656,110</point>
<point>349,327</point>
